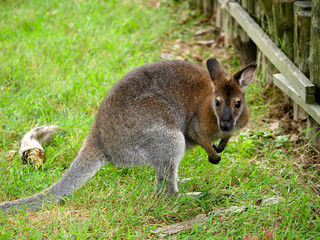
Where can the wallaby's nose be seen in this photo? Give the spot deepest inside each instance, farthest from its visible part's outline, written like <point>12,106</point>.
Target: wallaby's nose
<point>226,126</point>
<point>226,123</point>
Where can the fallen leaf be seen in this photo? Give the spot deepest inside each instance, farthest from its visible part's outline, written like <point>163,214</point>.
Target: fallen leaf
<point>167,56</point>
<point>12,153</point>
<point>154,3</point>
<point>294,138</point>
<point>271,201</point>
<point>206,42</point>
<point>196,56</point>
<point>204,31</point>
<point>258,203</point>
<point>178,227</point>
<point>184,17</point>
<point>316,166</point>
<point>34,156</point>
<point>268,235</point>
<point>248,237</point>
<point>274,125</point>
<point>181,58</point>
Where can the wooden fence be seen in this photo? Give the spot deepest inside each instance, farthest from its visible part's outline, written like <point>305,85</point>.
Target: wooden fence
<point>283,36</point>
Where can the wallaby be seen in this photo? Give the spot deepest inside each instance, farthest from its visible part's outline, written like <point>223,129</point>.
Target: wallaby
<point>150,117</point>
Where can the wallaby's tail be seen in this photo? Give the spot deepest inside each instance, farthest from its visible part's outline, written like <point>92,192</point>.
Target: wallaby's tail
<point>85,165</point>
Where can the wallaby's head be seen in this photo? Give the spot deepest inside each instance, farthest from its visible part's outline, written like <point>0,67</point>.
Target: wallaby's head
<point>228,100</point>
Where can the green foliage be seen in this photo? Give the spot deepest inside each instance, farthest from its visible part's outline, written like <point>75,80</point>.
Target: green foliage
<point>58,59</point>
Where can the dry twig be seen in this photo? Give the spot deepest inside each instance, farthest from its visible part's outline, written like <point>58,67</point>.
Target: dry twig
<point>201,219</point>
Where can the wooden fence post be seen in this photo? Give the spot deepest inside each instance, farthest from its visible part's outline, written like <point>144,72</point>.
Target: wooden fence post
<point>208,8</point>
<point>287,20</point>
<point>301,44</point>
<point>247,50</point>
<point>218,13</point>
<point>278,27</point>
<point>227,28</point>
<point>248,5</point>
<point>199,5</point>
<point>269,12</point>
<point>266,7</point>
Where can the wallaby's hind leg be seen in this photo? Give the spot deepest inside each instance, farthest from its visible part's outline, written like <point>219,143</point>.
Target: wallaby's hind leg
<point>166,160</point>
<point>167,175</point>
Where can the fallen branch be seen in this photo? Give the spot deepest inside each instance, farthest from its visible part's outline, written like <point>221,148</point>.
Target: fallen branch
<point>201,219</point>
<point>31,145</point>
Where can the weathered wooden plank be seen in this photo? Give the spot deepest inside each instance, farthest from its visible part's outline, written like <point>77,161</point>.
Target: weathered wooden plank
<point>283,1</point>
<point>303,85</point>
<point>284,84</point>
<point>303,5</point>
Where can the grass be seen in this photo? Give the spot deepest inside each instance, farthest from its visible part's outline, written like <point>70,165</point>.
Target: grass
<point>59,58</point>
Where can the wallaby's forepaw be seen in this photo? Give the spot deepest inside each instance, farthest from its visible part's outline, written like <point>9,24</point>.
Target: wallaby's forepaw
<point>218,150</point>
<point>215,160</point>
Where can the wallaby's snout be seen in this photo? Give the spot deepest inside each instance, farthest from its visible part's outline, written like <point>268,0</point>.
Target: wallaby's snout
<point>226,121</point>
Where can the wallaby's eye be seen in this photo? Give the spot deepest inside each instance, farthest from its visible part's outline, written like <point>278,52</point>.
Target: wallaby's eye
<point>217,103</point>
<point>238,104</point>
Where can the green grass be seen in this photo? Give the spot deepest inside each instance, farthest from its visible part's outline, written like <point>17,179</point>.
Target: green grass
<point>58,59</point>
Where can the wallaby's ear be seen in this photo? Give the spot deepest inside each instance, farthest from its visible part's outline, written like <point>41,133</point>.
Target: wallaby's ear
<point>245,75</point>
<point>214,68</point>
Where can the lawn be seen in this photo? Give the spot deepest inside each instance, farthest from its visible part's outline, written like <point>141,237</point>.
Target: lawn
<point>58,59</point>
